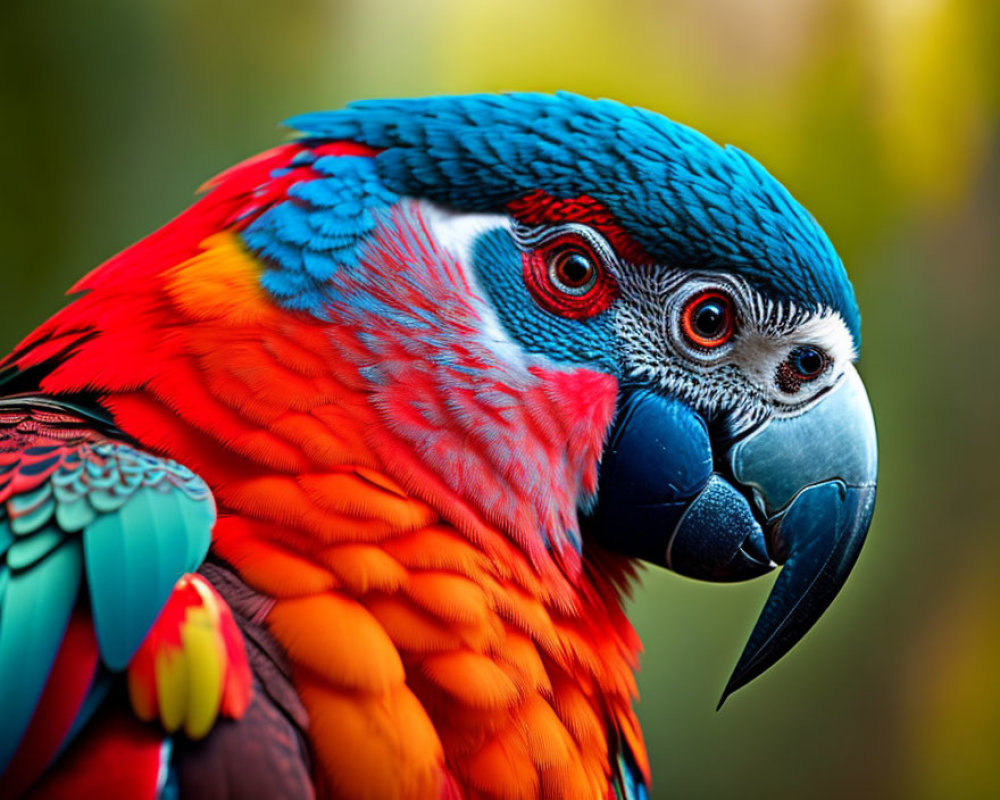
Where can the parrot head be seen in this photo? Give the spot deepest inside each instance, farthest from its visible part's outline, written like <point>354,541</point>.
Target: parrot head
<point>588,238</point>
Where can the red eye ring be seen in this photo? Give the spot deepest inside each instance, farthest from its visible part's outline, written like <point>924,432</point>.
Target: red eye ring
<point>567,278</point>
<point>707,319</point>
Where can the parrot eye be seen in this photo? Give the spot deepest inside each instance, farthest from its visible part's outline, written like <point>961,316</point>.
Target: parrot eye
<point>803,364</point>
<point>707,320</point>
<point>572,271</point>
<point>566,271</point>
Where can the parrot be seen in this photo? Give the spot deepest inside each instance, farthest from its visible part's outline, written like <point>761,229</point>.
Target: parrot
<point>336,485</point>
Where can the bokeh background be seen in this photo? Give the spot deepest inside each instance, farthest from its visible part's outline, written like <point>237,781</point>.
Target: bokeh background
<point>881,116</point>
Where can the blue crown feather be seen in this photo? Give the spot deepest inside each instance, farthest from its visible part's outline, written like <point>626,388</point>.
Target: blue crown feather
<point>687,201</point>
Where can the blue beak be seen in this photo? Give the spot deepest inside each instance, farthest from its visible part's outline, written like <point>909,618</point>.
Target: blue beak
<point>799,490</point>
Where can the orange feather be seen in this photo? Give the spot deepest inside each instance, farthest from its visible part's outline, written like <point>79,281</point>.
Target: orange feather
<point>521,653</point>
<point>412,630</point>
<point>451,597</point>
<point>363,568</point>
<point>503,768</point>
<point>339,639</point>
<point>273,568</point>
<point>382,747</point>
<point>471,678</point>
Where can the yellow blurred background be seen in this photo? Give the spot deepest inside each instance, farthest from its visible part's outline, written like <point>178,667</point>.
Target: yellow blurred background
<point>880,115</point>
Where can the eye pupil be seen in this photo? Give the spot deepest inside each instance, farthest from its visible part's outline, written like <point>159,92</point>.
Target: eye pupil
<point>572,272</point>
<point>707,320</point>
<point>574,269</point>
<point>710,319</point>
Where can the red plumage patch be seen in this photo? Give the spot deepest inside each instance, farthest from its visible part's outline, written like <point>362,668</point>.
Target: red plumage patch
<point>541,208</point>
<point>234,199</point>
<point>119,757</point>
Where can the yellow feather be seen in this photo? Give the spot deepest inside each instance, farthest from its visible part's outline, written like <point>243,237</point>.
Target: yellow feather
<point>203,653</point>
<point>171,687</point>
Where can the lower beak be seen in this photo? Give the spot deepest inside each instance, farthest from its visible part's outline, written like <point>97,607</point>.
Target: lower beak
<point>798,490</point>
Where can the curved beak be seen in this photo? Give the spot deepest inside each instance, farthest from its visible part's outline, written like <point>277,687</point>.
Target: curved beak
<point>798,490</point>
<point>813,475</point>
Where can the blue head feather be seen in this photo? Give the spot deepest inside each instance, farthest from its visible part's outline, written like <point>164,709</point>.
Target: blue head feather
<point>687,201</point>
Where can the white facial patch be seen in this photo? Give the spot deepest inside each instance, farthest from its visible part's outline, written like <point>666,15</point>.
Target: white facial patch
<point>457,232</point>
<point>760,352</point>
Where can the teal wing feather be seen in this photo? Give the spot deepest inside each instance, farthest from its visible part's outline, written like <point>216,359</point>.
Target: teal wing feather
<point>139,544</point>
<point>84,519</point>
<point>35,606</point>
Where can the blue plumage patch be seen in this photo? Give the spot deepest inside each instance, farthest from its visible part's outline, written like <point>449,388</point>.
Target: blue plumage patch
<point>687,202</point>
<point>306,239</point>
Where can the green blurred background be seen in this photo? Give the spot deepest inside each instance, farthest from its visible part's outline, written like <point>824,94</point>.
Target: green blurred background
<point>881,116</point>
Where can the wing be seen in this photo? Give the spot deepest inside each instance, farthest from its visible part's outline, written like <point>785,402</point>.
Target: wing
<point>94,535</point>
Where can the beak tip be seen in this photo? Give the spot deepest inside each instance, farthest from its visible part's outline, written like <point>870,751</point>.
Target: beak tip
<point>740,677</point>
<point>820,563</point>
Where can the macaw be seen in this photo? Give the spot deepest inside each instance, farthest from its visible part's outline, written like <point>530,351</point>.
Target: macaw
<point>334,485</point>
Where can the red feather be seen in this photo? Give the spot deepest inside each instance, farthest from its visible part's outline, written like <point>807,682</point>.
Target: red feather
<point>118,758</point>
